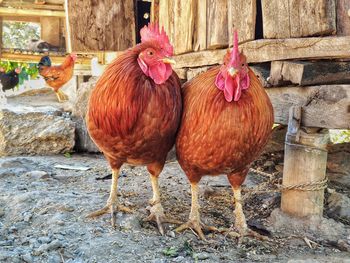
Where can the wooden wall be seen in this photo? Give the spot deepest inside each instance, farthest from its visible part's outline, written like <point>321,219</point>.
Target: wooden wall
<point>195,25</point>
<point>106,25</point>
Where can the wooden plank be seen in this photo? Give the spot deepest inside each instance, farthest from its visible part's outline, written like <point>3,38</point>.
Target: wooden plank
<point>166,17</point>
<point>343,17</point>
<point>102,25</point>
<point>184,15</point>
<point>276,22</point>
<point>298,18</point>
<point>242,16</point>
<point>4,11</point>
<point>306,73</point>
<point>33,19</point>
<point>29,5</point>
<point>265,50</point>
<point>312,17</point>
<point>50,30</point>
<point>155,11</point>
<point>217,34</point>
<point>200,34</point>
<point>325,106</point>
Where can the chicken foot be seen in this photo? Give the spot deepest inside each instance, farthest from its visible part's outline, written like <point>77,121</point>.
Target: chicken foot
<point>240,221</point>
<point>112,205</point>
<point>157,212</point>
<point>61,96</point>
<point>194,222</point>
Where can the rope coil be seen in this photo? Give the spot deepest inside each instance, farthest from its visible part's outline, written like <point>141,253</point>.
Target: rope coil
<point>263,187</point>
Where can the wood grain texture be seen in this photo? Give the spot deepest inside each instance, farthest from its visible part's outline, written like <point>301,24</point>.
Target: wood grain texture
<point>101,25</point>
<point>217,33</point>
<point>306,73</point>
<point>274,49</point>
<point>325,106</point>
<point>304,164</point>
<point>298,18</point>
<point>200,34</point>
<point>312,17</point>
<point>343,17</point>
<point>184,15</point>
<point>242,16</point>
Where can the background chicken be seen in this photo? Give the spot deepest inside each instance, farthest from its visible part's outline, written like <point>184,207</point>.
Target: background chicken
<point>10,79</point>
<point>134,112</point>
<point>57,76</point>
<point>227,119</point>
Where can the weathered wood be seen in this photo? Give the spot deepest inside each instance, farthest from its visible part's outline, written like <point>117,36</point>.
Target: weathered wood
<point>306,73</point>
<point>35,19</point>
<point>276,22</point>
<point>155,11</point>
<point>325,106</point>
<point>184,15</point>
<point>305,162</point>
<point>4,11</point>
<point>166,17</point>
<point>298,18</point>
<point>101,25</point>
<point>343,17</point>
<point>312,17</point>
<point>274,49</point>
<point>217,34</point>
<point>200,34</point>
<point>50,30</point>
<point>262,71</point>
<point>242,16</point>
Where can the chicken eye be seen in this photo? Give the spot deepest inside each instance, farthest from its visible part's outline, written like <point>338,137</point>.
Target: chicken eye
<point>150,53</point>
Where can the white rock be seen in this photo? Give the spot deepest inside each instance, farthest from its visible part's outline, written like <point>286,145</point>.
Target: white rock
<point>30,131</point>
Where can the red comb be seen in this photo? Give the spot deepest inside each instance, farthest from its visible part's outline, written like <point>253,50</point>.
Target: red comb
<point>152,33</point>
<point>235,51</point>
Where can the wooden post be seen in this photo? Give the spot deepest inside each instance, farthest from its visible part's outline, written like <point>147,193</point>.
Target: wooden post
<point>305,162</point>
<point>50,30</point>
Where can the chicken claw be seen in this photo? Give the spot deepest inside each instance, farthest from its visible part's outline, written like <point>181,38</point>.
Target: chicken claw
<point>157,215</point>
<point>112,208</point>
<point>197,226</point>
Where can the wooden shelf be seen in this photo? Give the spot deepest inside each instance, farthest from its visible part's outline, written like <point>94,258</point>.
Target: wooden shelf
<point>7,11</point>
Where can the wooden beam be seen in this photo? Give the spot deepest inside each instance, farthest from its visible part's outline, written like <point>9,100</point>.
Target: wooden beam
<point>31,58</point>
<point>21,5</point>
<point>325,106</point>
<point>343,17</point>
<point>200,34</point>
<point>4,11</point>
<point>306,73</point>
<point>276,22</point>
<point>33,19</point>
<point>265,50</point>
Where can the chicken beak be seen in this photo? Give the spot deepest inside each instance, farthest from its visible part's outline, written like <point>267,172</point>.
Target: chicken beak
<point>232,71</point>
<point>169,61</point>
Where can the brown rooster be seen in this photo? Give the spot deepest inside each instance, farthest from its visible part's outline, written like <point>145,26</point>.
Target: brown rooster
<point>227,120</point>
<point>134,113</point>
<point>57,76</point>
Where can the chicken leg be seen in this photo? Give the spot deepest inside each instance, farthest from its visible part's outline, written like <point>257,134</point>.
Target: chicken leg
<point>240,221</point>
<point>157,211</point>
<point>194,221</point>
<point>61,96</point>
<point>112,204</point>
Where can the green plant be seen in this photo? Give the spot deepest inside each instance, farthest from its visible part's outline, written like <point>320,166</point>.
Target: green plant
<point>28,69</point>
<point>17,34</point>
<point>339,136</point>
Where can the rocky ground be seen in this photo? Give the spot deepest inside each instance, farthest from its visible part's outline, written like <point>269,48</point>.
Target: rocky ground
<point>43,209</point>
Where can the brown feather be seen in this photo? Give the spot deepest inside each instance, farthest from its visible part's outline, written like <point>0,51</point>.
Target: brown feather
<point>217,136</point>
<point>131,118</point>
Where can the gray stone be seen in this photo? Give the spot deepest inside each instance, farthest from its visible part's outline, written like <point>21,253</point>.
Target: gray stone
<point>202,256</point>
<point>31,131</point>
<point>339,205</point>
<point>83,140</point>
<point>27,258</point>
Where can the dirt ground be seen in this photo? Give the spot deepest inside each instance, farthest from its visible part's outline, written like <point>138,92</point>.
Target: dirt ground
<point>43,209</point>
